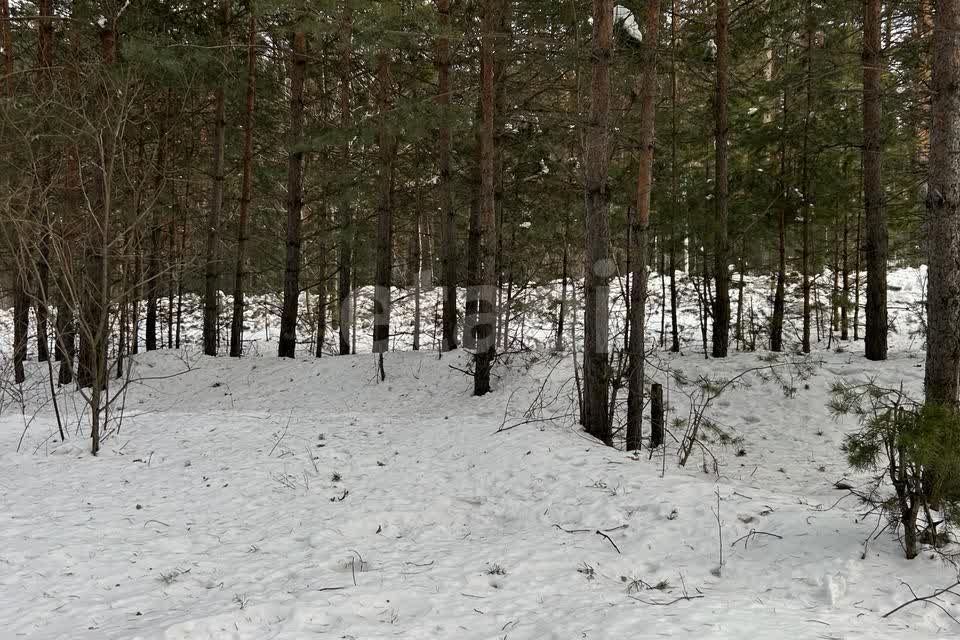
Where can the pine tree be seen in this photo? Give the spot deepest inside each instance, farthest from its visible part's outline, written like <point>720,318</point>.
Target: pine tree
<point>875,220</point>
<point>597,266</point>
<point>942,375</point>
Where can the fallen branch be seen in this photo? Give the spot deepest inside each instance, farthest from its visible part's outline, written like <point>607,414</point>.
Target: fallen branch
<point>601,533</point>
<point>753,533</point>
<point>928,598</point>
<point>665,604</point>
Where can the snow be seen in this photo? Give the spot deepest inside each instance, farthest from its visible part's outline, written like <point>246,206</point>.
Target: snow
<point>624,17</point>
<point>266,498</point>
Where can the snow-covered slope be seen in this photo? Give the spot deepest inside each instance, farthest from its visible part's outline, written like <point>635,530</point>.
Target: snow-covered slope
<point>276,499</point>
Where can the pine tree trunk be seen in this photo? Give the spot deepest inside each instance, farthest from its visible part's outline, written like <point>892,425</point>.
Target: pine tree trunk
<point>287,345</point>
<point>153,261</point>
<point>721,305</point>
<point>598,267</point>
<point>179,275</point>
<point>875,246</point>
<point>21,310</point>
<point>564,277</point>
<point>943,212</point>
<point>6,44</point>
<point>779,298</point>
<point>345,231</point>
<point>446,182</point>
<point>807,182</point>
<point>640,224</point>
<point>246,193</point>
<point>65,327</point>
<point>387,149</point>
<point>657,429</point>
<point>322,299</point>
<point>474,258</point>
<point>486,298</point>
<point>44,87</point>
<point>674,189</point>
<point>845,292</point>
<point>923,22</point>
<point>21,322</point>
<point>856,275</point>
<point>211,292</point>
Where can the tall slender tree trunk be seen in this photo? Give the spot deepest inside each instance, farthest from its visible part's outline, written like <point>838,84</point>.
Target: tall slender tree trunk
<point>474,258</point>
<point>153,284</point>
<point>564,278</point>
<point>287,345</point>
<point>923,22</point>
<point>387,148</point>
<point>674,188</point>
<point>640,224</point>
<point>44,87</point>
<point>783,207</point>
<point>66,298</point>
<point>6,44</point>
<point>180,260</point>
<point>875,247</point>
<point>449,223</point>
<point>322,293</point>
<point>345,231</point>
<point>721,252</point>
<point>942,377</point>
<point>246,192</point>
<point>806,179</point>
<point>417,260</point>
<point>21,321</point>
<point>856,274</point>
<point>211,292</point>
<point>21,309</point>
<point>845,270</point>
<point>598,267</point>
<point>95,306</point>
<point>487,296</point>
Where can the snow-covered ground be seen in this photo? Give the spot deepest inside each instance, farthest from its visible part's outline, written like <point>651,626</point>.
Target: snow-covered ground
<point>270,499</point>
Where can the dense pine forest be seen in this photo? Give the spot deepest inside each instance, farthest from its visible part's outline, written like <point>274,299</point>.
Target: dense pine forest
<point>559,299</point>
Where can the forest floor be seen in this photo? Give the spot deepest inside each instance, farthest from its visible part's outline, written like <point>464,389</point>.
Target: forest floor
<point>264,499</point>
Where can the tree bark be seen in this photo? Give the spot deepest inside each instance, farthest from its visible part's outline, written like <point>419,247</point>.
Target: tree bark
<point>95,307</point>
<point>387,149</point>
<point>875,220</point>
<point>783,207</point>
<point>942,378</point>
<point>246,193</point>
<point>211,292</point>
<point>674,189</point>
<point>21,322</point>
<point>641,224</point>
<point>291,278</point>
<point>474,259</point>
<point>845,269</point>
<point>345,230</point>
<point>153,261</point>
<point>564,284</point>
<point>806,180</point>
<point>6,42</point>
<point>598,267</point>
<point>486,294</point>
<point>66,299</point>
<point>721,303</point>
<point>44,87</point>
<point>657,429</point>
<point>449,321</point>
